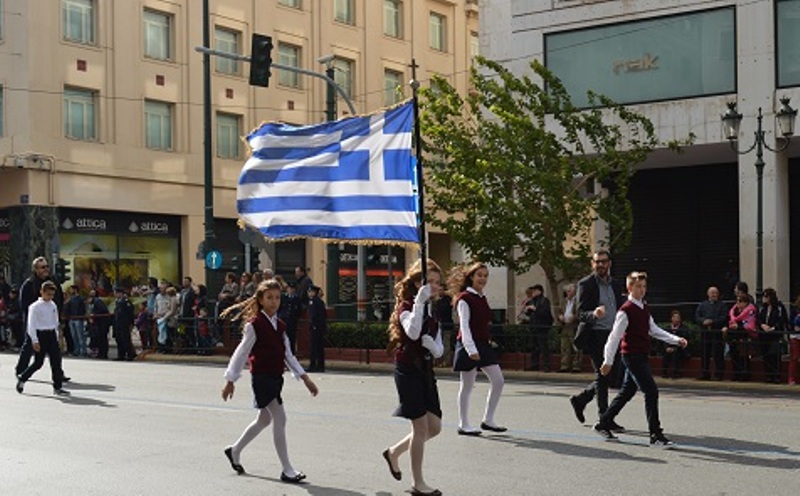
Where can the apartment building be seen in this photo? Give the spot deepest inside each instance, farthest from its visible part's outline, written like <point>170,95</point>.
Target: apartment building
<point>680,62</point>
<point>101,120</point>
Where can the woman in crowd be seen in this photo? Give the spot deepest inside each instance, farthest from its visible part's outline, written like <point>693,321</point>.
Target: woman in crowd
<point>740,331</point>
<point>473,346</point>
<point>772,320</point>
<point>416,340</point>
<point>794,343</point>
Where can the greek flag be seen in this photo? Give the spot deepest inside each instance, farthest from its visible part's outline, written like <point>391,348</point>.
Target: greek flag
<point>348,180</point>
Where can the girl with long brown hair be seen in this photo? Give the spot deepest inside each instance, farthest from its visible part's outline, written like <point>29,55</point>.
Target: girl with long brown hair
<point>266,347</point>
<point>473,345</point>
<point>416,340</point>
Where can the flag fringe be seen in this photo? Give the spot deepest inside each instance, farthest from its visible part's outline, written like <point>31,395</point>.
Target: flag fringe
<point>363,242</point>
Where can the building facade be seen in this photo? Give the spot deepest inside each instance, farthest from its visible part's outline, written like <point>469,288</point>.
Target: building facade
<point>101,119</point>
<point>680,62</point>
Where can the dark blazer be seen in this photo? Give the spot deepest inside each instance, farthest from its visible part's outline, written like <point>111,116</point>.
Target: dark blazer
<point>588,298</point>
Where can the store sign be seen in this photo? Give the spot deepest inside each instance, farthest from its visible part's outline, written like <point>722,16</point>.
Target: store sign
<point>664,58</point>
<point>84,224</point>
<point>75,220</point>
<point>149,227</point>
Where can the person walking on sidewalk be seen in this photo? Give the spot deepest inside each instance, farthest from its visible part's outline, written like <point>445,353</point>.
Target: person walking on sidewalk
<point>634,326</point>
<point>599,297</point>
<point>416,340</point>
<point>42,324</point>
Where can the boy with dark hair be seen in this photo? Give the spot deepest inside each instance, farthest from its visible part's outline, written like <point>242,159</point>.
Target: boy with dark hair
<point>42,325</point>
<point>633,326</point>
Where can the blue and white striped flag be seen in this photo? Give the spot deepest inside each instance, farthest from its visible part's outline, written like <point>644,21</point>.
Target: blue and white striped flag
<point>348,180</point>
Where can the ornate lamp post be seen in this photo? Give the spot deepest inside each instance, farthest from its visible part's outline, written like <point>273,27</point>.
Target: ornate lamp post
<point>731,121</point>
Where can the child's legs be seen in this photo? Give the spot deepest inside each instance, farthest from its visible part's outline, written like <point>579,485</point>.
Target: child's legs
<point>262,420</point>
<point>625,394</point>
<point>464,393</point>
<point>496,382</point>
<point>419,434</point>
<point>50,347</point>
<point>639,368</point>
<point>279,436</point>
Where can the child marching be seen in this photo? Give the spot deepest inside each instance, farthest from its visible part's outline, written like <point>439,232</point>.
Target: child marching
<point>266,348</point>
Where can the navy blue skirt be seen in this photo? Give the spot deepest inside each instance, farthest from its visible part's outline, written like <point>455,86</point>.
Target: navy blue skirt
<point>462,362</point>
<point>266,388</point>
<point>416,391</point>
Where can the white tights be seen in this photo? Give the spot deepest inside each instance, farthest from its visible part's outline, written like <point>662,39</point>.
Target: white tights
<point>275,414</point>
<point>496,382</point>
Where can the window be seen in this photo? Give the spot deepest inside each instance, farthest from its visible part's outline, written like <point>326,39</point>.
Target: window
<point>157,36</point>
<point>474,45</point>
<point>227,41</point>
<point>393,18</point>
<point>343,75</point>
<point>289,55</point>
<point>158,125</point>
<point>344,11</point>
<point>291,3</point>
<point>393,85</point>
<point>438,32</point>
<point>228,133</point>
<point>788,13</point>
<point>79,114</point>
<point>78,21</point>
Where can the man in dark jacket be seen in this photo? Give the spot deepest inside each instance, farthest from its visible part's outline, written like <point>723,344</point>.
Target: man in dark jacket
<point>712,315</point>
<point>28,293</point>
<point>599,298</point>
<point>75,314</point>
<point>123,322</point>
<point>540,321</point>
<point>318,324</point>
<point>186,311</point>
<point>99,323</point>
<point>289,313</point>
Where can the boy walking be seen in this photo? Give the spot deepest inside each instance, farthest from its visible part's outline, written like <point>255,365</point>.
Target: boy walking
<point>634,326</point>
<point>43,332</point>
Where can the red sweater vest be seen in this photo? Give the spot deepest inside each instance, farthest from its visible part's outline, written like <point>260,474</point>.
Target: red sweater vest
<point>409,352</point>
<point>636,339</point>
<point>268,352</point>
<point>480,316</point>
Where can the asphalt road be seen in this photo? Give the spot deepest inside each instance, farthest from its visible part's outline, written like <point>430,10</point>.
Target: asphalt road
<point>147,428</point>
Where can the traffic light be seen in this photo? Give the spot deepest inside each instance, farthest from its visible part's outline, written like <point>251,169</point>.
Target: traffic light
<point>260,60</point>
<point>62,271</point>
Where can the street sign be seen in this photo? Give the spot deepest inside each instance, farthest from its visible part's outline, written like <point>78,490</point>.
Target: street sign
<point>213,260</point>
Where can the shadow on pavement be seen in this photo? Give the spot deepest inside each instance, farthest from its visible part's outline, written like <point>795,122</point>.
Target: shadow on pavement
<point>738,452</point>
<point>312,489</point>
<point>75,400</point>
<point>569,449</point>
<point>72,385</point>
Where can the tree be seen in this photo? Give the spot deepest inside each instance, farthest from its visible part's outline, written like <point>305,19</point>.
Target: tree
<point>518,175</point>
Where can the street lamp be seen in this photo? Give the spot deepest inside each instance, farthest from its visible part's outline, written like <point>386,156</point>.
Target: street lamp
<point>731,120</point>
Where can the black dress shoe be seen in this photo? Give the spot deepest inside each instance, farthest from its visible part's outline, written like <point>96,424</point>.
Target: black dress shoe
<point>615,427</point>
<point>293,480</point>
<point>395,473</point>
<point>493,428</point>
<point>66,379</point>
<point>235,466</point>
<point>577,407</point>
<point>415,492</point>
<point>462,432</point>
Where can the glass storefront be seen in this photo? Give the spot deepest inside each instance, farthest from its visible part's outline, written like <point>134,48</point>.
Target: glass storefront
<point>106,249</point>
<point>665,58</point>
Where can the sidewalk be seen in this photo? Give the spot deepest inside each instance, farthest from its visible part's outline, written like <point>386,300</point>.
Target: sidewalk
<point>572,379</point>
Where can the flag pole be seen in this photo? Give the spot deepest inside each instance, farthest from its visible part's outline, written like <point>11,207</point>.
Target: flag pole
<point>423,248</point>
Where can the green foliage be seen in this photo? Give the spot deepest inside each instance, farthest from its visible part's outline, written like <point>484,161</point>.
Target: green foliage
<point>361,335</point>
<point>514,169</point>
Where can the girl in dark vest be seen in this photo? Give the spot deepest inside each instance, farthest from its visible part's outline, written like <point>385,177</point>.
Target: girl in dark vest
<point>633,326</point>
<point>415,339</point>
<point>266,348</point>
<point>473,345</point>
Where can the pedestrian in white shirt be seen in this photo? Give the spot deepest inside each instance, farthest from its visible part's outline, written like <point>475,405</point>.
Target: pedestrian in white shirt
<point>42,325</point>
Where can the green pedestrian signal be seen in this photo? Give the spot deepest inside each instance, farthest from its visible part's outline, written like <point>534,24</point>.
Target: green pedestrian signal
<point>260,60</point>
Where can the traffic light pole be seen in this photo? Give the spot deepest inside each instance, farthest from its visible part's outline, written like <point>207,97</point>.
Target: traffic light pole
<point>208,168</point>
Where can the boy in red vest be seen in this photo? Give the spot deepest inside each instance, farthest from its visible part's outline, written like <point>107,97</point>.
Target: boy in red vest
<point>634,326</point>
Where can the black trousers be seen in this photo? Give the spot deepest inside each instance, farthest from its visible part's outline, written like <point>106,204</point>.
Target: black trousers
<point>540,347</point>
<point>598,387</point>
<point>771,355</point>
<point>638,377</point>
<point>317,350</point>
<point>124,344</point>
<point>25,354</point>
<point>48,345</point>
<point>712,345</point>
<point>740,355</point>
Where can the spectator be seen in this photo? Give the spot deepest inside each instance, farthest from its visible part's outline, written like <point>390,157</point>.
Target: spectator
<point>75,313</point>
<point>673,355</point>
<point>246,287</point>
<point>257,278</point>
<point>163,305</point>
<point>711,317</point>
<point>14,317</point>
<point>5,288</point>
<point>229,293</point>
<point>123,322</point>
<point>794,344</point>
<point>173,312</point>
<point>186,311</point>
<point>99,324</point>
<point>772,320</point>
<point>541,321</point>
<point>740,330</point>
<point>205,341</point>
<point>3,323</point>
<point>303,284</point>
<point>318,325</point>
<point>570,357</point>
<point>143,325</point>
<point>289,313</point>
<point>267,274</point>
<point>522,316</point>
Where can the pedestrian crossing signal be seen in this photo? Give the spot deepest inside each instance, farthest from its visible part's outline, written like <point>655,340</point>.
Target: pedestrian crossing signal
<point>260,60</point>
<point>62,273</point>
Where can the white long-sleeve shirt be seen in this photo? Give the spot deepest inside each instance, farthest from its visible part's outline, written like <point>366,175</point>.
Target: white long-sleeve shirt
<point>239,357</point>
<point>412,326</point>
<point>463,321</point>
<point>621,325</point>
<point>42,315</point>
